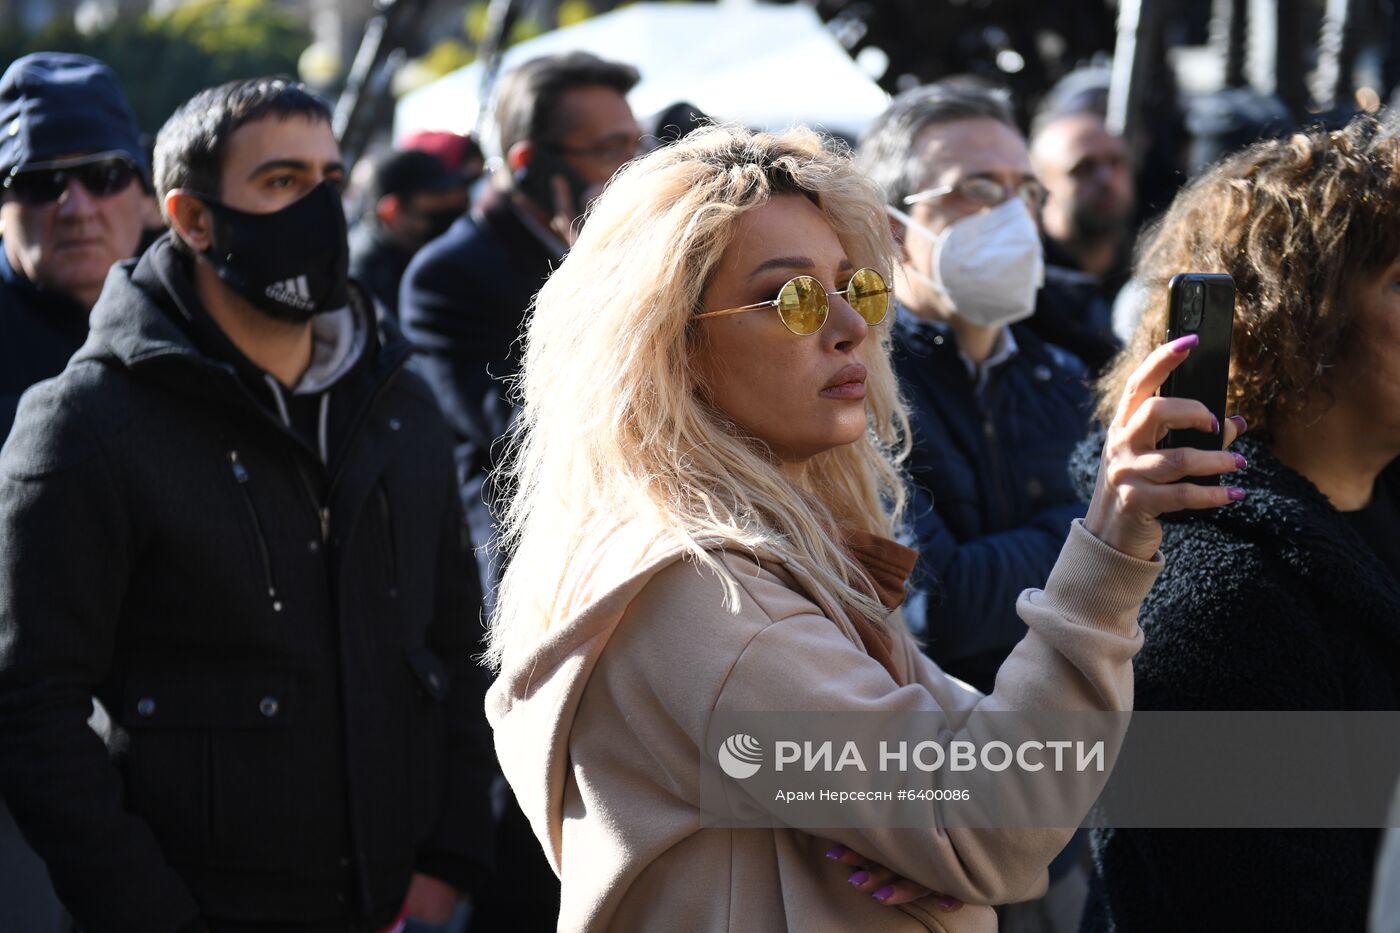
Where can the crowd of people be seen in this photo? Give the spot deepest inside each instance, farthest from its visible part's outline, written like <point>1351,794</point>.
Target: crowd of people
<point>383,574</point>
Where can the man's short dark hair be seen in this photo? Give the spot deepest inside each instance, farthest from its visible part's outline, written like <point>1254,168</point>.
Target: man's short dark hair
<point>527,105</point>
<point>887,152</point>
<point>190,147</point>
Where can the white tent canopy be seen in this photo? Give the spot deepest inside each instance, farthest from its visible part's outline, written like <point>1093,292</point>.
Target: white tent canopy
<point>767,67</point>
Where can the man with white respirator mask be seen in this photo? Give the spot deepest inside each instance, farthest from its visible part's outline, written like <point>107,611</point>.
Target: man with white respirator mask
<point>995,411</point>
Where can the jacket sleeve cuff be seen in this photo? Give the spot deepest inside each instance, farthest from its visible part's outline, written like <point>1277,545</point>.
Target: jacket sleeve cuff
<point>1097,585</point>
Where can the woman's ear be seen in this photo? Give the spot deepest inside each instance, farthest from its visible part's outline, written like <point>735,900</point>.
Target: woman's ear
<point>190,219</point>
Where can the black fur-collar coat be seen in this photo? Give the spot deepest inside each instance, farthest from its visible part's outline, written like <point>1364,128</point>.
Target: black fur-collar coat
<point>1273,603</point>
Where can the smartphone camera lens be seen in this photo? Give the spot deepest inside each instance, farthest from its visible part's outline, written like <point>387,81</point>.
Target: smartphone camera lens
<point>1194,306</point>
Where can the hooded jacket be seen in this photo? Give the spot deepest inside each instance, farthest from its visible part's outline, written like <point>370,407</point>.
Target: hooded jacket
<point>277,617</point>
<point>1272,603</point>
<point>601,726</point>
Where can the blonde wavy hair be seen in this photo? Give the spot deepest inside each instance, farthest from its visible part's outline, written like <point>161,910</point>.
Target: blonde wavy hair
<point>614,420</point>
<point>1298,223</point>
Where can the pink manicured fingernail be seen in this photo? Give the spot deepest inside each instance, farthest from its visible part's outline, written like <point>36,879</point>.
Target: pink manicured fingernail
<point>1236,494</point>
<point>836,852</point>
<point>884,893</point>
<point>1240,462</point>
<point>1214,425</point>
<point>1241,425</point>
<point>859,878</point>
<point>1182,344</point>
<point>949,903</point>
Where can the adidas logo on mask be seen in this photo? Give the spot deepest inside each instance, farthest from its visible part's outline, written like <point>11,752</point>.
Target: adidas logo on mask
<point>293,292</point>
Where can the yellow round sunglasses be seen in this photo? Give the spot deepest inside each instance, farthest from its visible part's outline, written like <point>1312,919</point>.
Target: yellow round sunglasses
<point>803,307</point>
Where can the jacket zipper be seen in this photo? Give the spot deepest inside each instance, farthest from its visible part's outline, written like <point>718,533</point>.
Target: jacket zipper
<point>387,513</point>
<point>240,475</point>
<point>323,512</point>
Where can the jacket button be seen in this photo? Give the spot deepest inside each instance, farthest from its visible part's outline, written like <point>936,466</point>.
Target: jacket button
<point>313,545</point>
<point>434,680</point>
<point>395,424</point>
<point>146,706</point>
<point>268,707</point>
<point>1042,372</point>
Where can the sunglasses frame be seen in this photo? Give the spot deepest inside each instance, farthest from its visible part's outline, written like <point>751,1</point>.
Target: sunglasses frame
<point>68,165</point>
<point>826,295</point>
<point>929,194</point>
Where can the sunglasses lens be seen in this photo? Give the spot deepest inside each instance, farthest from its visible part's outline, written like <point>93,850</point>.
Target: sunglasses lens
<point>36,187</point>
<point>802,305</point>
<point>101,179</point>
<point>869,295</point>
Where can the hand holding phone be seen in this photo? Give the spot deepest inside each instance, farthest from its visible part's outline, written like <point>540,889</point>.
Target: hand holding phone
<point>536,180</point>
<point>1202,304</point>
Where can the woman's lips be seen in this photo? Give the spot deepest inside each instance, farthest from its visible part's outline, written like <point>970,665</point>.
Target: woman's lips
<point>848,383</point>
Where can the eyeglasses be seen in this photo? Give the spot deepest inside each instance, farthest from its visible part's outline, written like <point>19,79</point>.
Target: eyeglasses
<point>803,307</point>
<point>103,175</point>
<point>987,191</point>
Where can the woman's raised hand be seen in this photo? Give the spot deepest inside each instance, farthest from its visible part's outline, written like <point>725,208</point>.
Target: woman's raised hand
<point>1137,482</point>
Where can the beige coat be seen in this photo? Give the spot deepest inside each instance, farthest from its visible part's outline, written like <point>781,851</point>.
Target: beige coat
<point>600,731</point>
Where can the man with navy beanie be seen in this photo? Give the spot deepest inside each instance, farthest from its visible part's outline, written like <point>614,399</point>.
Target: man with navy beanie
<point>74,183</point>
<point>72,195</point>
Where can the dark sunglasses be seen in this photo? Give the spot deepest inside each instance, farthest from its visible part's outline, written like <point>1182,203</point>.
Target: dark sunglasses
<point>802,302</point>
<point>103,175</point>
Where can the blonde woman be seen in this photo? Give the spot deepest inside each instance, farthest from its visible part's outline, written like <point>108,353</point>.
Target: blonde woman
<point>706,485</point>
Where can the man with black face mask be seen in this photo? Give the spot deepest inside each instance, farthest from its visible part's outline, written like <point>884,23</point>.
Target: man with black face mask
<point>233,520</point>
<point>412,200</point>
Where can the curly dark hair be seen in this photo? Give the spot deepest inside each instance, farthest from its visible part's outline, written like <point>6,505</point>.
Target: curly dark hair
<point>1299,223</point>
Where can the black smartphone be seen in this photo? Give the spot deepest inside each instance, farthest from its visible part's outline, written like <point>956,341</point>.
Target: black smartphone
<point>536,180</point>
<point>1203,304</point>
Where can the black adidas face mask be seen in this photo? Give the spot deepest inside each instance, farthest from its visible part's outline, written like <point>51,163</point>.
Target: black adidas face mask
<point>291,264</point>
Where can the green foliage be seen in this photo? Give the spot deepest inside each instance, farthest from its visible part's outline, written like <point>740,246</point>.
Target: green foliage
<point>446,57</point>
<point>574,11</point>
<point>162,61</point>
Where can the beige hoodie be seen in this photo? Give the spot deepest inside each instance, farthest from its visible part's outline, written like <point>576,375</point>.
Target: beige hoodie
<point>601,727</point>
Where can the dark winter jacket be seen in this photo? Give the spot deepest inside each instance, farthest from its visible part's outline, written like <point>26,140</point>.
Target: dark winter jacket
<point>284,644</point>
<point>992,499</point>
<point>39,331</point>
<point>378,263</point>
<point>1074,311</point>
<point>1273,603</point>
<point>463,303</point>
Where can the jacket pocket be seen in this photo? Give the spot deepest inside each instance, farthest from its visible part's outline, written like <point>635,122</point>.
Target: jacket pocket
<point>427,751</point>
<point>183,730</point>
